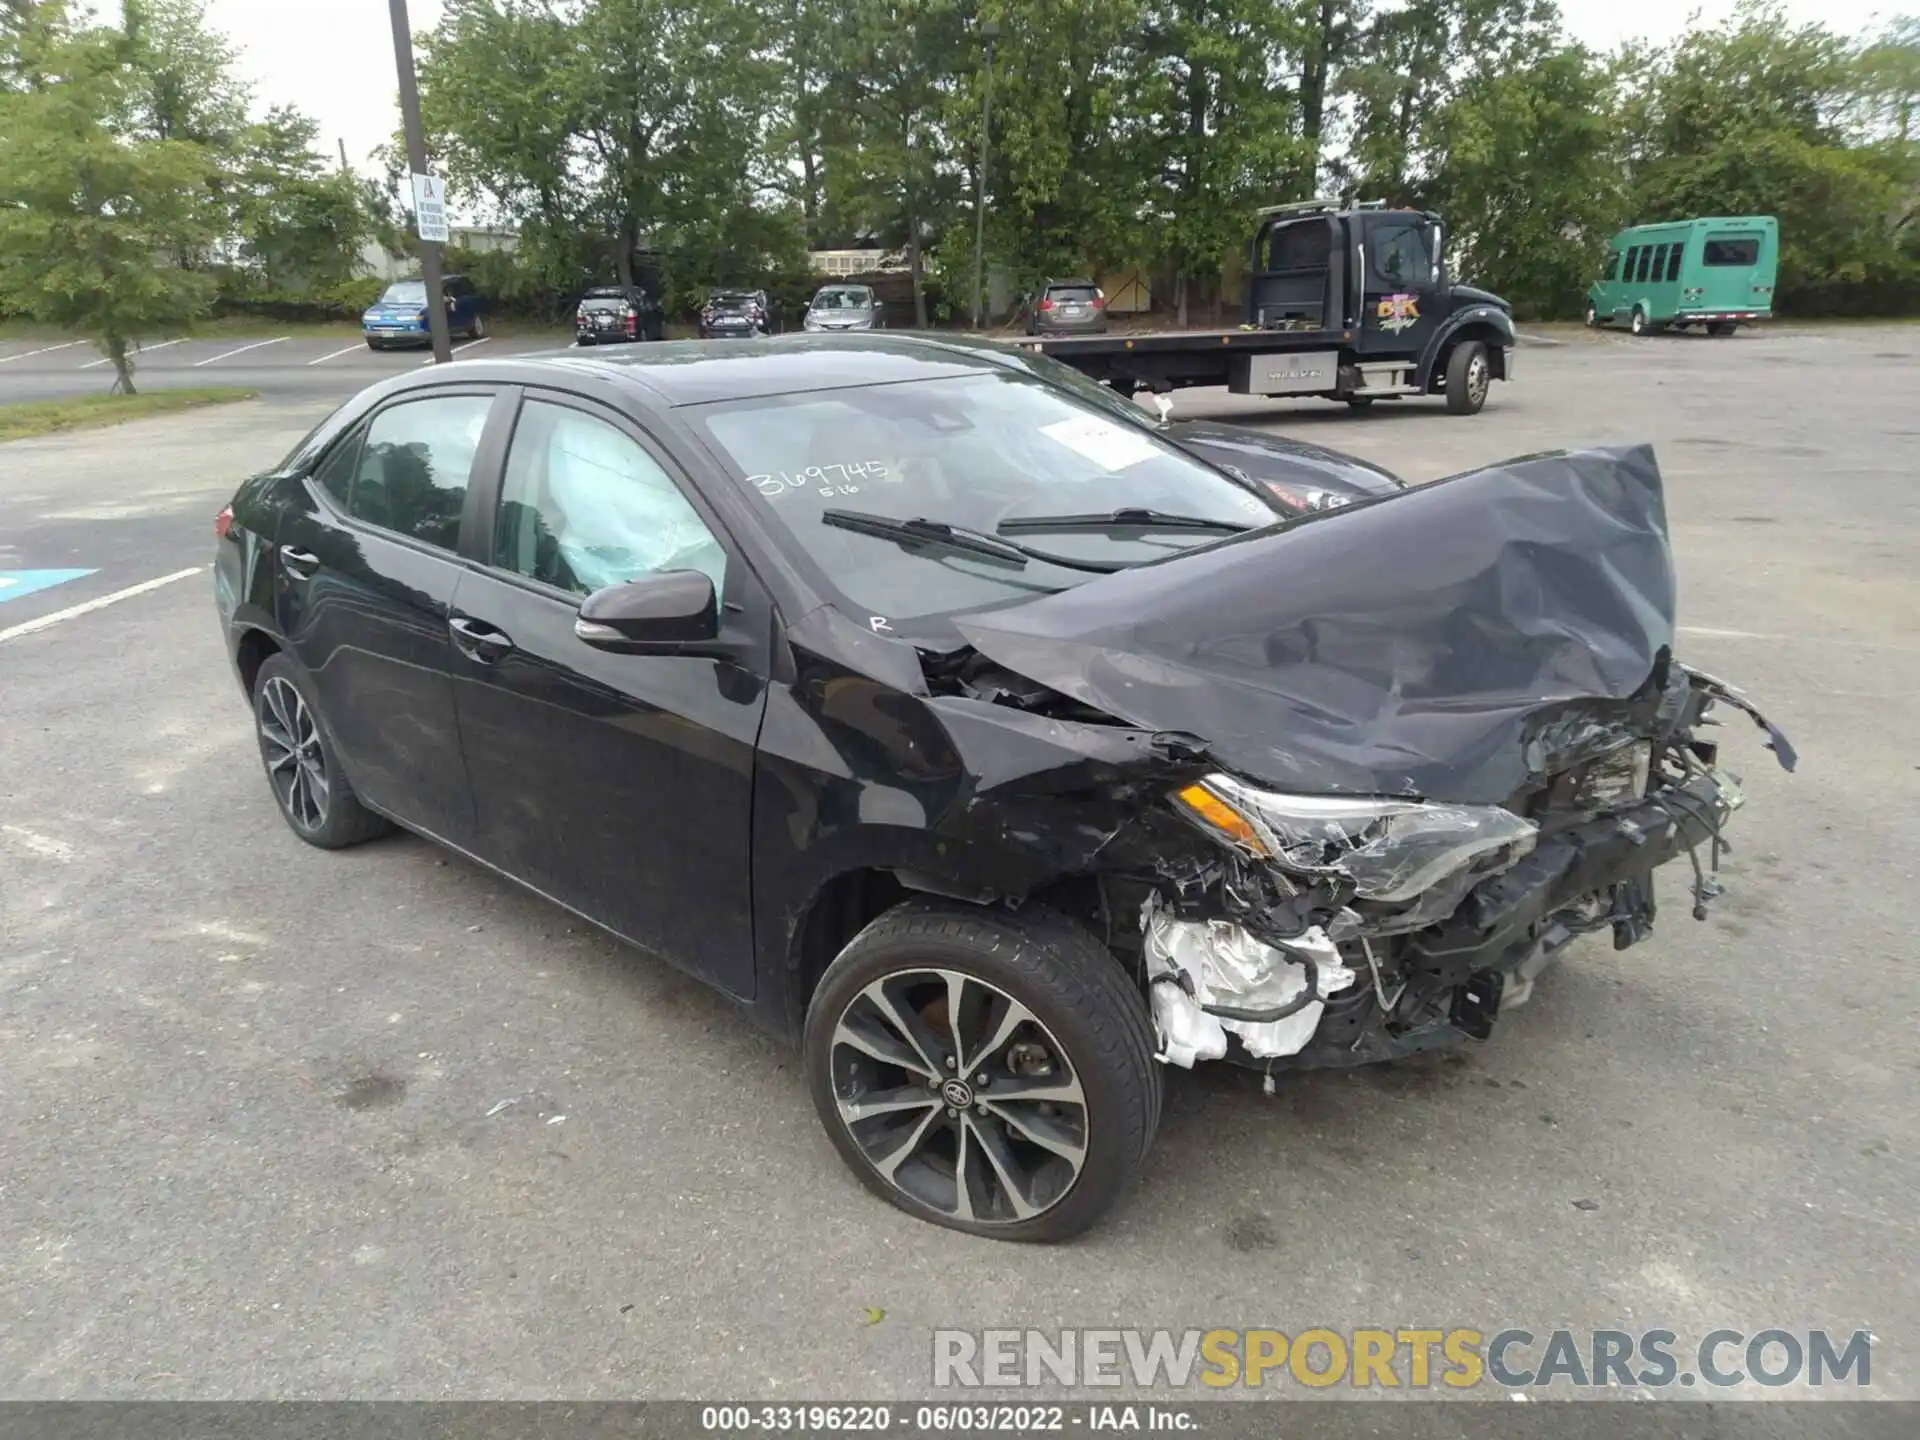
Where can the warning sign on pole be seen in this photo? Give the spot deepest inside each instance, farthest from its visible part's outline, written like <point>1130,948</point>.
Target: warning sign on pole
<point>430,207</point>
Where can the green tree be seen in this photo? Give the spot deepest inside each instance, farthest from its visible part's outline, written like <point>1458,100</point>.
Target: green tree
<point>890,166</point>
<point>1217,124</point>
<point>1066,194</point>
<point>88,214</point>
<point>180,79</point>
<point>1524,166</point>
<point>300,222</point>
<point>1758,116</point>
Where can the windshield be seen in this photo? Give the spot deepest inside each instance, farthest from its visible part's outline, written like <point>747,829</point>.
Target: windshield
<point>842,300</point>
<point>972,451</point>
<point>405,292</point>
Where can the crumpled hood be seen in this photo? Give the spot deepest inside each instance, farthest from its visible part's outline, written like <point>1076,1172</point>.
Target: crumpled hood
<point>1419,644</point>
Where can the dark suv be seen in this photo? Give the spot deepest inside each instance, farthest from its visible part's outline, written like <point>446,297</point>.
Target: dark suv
<point>1068,307</point>
<point>610,314</point>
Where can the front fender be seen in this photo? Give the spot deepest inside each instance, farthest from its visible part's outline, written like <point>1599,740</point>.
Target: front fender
<point>1495,325</point>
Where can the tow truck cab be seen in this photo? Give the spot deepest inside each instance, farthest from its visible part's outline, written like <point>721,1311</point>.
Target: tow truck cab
<point>1353,304</point>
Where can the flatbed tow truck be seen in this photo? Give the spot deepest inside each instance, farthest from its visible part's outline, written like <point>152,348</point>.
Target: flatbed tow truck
<point>1351,303</point>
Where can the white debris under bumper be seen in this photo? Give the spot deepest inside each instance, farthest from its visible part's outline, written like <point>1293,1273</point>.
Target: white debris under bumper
<point>1198,969</point>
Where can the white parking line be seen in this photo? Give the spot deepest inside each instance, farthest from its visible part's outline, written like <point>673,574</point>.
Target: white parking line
<point>459,348</point>
<point>43,350</point>
<point>144,349</point>
<point>338,353</point>
<point>47,621</point>
<point>241,351</point>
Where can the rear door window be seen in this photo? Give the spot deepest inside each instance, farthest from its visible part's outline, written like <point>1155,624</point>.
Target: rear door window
<point>1731,250</point>
<point>414,467</point>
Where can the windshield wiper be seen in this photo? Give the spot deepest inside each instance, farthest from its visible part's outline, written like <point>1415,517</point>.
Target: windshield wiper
<point>919,531</point>
<point>1126,518</point>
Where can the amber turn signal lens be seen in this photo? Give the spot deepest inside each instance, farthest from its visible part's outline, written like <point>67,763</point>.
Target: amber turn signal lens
<point>1221,816</point>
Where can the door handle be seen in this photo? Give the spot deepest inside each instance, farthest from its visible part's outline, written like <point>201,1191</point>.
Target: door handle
<point>477,641</point>
<point>300,562</point>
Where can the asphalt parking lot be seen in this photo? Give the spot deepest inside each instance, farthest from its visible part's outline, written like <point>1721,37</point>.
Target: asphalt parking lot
<point>375,1124</point>
<point>336,365</point>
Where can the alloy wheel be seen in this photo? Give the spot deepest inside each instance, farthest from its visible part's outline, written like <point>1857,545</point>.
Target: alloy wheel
<point>959,1097</point>
<point>296,765</point>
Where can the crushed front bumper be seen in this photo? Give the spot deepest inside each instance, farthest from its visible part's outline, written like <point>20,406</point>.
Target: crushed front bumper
<point>1436,987</point>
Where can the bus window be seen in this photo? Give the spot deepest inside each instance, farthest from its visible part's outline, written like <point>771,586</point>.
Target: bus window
<point>1633,253</point>
<point>1731,250</point>
<point>1646,261</point>
<point>1673,261</point>
<point>1613,265</point>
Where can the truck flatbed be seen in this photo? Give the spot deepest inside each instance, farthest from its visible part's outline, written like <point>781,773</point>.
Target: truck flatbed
<point>1346,303</point>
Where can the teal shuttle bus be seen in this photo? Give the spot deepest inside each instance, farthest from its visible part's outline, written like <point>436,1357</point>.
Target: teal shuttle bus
<point>1717,272</point>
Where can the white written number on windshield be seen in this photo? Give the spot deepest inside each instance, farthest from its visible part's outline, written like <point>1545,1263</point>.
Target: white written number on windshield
<point>824,480</point>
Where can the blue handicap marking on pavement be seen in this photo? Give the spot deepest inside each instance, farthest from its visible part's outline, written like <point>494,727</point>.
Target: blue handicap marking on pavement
<point>15,583</point>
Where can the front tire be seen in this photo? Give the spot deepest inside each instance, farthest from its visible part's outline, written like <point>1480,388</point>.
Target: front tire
<point>313,794</point>
<point>985,1071</point>
<point>1359,404</point>
<point>1639,322</point>
<point>1592,317</point>
<point>478,330</point>
<point>1469,377</point>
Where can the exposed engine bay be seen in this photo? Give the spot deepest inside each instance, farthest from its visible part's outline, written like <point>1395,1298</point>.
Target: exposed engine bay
<point>1411,750</point>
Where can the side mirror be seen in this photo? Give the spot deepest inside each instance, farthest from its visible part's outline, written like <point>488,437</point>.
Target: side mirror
<point>668,612</point>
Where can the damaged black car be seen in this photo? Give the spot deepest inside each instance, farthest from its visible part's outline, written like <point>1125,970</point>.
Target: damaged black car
<point>997,749</point>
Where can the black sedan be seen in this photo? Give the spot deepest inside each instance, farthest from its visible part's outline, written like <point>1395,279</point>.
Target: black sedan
<point>998,751</point>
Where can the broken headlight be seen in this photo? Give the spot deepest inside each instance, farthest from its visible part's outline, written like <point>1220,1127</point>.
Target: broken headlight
<point>1392,850</point>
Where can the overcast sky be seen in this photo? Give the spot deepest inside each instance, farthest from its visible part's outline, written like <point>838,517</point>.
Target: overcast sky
<point>334,58</point>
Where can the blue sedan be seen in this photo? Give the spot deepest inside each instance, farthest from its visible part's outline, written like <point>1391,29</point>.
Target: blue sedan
<point>399,316</point>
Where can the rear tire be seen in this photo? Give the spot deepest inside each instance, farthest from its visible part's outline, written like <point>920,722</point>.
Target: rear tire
<point>1722,327</point>
<point>302,772</point>
<point>478,330</point>
<point>975,1155</point>
<point>1359,404</point>
<point>1469,377</point>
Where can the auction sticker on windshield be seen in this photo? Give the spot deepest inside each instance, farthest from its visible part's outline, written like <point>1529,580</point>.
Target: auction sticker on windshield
<point>1110,446</point>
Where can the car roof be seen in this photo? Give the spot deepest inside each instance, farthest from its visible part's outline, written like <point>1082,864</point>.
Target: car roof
<point>696,372</point>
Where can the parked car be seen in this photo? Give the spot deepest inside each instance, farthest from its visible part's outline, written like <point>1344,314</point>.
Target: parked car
<point>735,314</point>
<point>614,314</point>
<point>997,751</point>
<point>399,317</point>
<point>1068,307</point>
<point>1717,273</point>
<point>845,307</point>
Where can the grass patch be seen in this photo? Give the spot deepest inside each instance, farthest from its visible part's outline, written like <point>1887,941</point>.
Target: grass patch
<point>78,412</point>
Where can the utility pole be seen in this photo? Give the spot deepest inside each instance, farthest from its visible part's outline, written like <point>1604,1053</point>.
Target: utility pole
<point>989,32</point>
<point>417,162</point>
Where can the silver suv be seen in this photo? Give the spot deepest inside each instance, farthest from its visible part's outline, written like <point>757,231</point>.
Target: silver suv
<point>1068,307</point>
